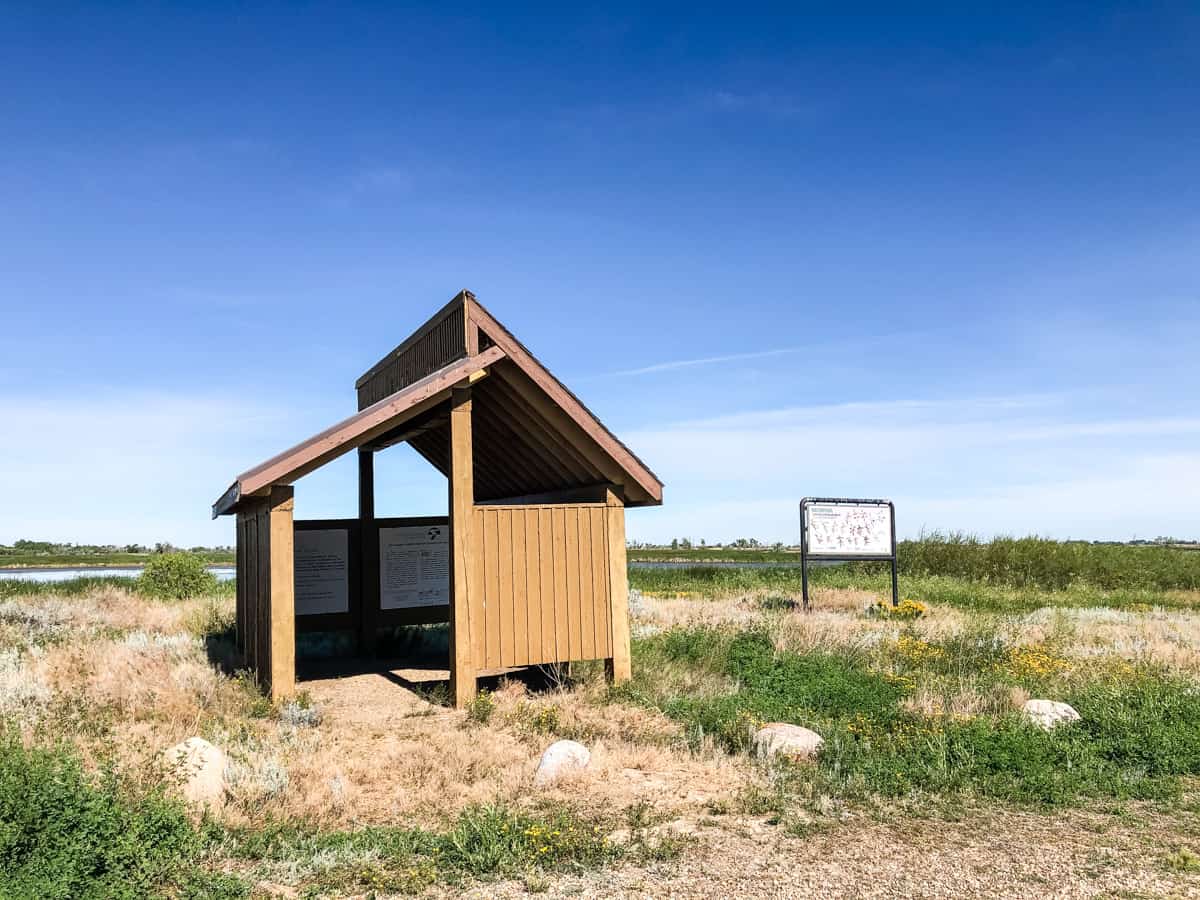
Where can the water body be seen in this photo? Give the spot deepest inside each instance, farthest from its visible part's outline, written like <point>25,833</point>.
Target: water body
<point>651,564</point>
<point>226,573</point>
<point>223,573</point>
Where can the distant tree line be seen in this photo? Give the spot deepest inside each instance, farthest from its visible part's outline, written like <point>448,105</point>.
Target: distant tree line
<point>702,544</point>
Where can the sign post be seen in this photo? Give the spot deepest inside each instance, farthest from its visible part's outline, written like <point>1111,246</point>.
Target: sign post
<point>840,529</point>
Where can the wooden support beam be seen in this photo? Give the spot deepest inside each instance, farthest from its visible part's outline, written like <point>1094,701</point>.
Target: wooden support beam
<point>527,419</point>
<point>358,430</point>
<point>567,404</point>
<point>462,518</point>
<point>590,493</point>
<point>534,395</point>
<point>367,603</point>
<point>617,667</point>
<point>282,661</point>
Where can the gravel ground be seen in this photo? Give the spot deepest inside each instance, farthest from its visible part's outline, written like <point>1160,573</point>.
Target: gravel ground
<point>996,854</point>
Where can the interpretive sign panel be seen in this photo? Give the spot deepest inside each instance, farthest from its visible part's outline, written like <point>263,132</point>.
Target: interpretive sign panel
<point>414,566</point>
<point>834,529</point>
<point>322,571</point>
<point>849,529</point>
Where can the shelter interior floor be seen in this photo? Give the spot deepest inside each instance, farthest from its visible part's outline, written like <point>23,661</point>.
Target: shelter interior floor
<point>420,672</point>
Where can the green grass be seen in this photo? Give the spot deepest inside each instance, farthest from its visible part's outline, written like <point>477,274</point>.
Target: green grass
<point>84,586</point>
<point>67,834</point>
<point>483,842</point>
<point>951,591</point>
<point>1139,734</point>
<point>1051,565</point>
<point>1010,562</point>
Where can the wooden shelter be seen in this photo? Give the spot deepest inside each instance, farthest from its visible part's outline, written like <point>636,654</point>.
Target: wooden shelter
<point>528,567</point>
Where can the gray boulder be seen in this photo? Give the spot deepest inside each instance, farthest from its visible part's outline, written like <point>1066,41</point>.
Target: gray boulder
<point>1049,714</point>
<point>561,758</point>
<point>777,740</point>
<point>199,769</point>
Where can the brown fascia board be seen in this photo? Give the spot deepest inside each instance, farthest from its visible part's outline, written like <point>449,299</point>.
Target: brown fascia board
<point>567,401</point>
<point>355,431</point>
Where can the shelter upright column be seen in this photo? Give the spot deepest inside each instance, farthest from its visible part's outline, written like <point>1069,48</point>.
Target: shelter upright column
<point>617,667</point>
<point>366,604</point>
<point>462,516</point>
<point>282,660</point>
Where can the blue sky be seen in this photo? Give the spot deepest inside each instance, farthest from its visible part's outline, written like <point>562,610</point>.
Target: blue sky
<point>947,254</point>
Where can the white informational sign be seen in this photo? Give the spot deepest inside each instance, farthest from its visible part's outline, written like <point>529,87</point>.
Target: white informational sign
<point>414,566</point>
<point>322,561</point>
<point>849,529</point>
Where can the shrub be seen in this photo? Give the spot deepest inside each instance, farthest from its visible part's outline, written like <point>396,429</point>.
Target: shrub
<point>905,611</point>
<point>481,707</point>
<point>176,576</point>
<point>778,603</point>
<point>64,835</point>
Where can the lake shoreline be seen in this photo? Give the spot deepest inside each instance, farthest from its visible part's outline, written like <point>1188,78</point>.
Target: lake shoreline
<point>59,566</point>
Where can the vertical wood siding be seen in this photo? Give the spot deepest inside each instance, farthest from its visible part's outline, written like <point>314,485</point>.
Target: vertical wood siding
<point>265,589</point>
<point>545,584</point>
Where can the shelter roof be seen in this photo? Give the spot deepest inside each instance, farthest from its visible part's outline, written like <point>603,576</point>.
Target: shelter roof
<point>531,435</point>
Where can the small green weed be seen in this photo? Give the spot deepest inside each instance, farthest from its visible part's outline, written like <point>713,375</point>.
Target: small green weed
<point>1182,860</point>
<point>481,707</point>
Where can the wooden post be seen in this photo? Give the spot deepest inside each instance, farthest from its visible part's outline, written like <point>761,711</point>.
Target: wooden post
<point>617,667</point>
<point>367,602</point>
<point>462,514</point>
<point>282,675</point>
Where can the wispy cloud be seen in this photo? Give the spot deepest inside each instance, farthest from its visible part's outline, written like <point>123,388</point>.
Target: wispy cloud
<point>1022,463</point>
<point>717,359</point>
<point>706,361</point>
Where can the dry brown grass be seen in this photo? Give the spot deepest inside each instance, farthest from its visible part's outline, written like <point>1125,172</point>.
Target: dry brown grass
<point>384,754</point>
<point>964,699</point>
<point>381,754</point>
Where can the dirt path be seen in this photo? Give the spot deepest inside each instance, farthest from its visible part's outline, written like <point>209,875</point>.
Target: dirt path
<point>997,854</point>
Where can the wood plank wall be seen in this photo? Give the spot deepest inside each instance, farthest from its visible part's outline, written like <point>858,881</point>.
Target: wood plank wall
<point>545,584</point>
<point>266,636</point>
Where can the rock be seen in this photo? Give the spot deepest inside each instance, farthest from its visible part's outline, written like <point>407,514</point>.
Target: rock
<point>677,828</point>
<point>199,768</point>
<point>1048,713</point>
<point>792,742</point>
<point>620,837</point>
<point>560,758</point>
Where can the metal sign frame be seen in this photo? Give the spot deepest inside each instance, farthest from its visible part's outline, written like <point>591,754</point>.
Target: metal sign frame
<point>848,557</point>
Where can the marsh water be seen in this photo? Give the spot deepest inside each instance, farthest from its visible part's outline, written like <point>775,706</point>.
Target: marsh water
<point>226,573</point>
<point>68,573</point>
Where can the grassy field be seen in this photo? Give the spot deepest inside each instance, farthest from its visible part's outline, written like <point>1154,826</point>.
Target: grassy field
<point>930,781</point>
<point>1010,562</point>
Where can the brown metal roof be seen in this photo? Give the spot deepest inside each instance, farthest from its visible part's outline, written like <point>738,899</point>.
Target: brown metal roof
<point>531,435</point>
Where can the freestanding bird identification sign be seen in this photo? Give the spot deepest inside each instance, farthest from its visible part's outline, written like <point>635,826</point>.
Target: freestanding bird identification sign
<point>842,530</point>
